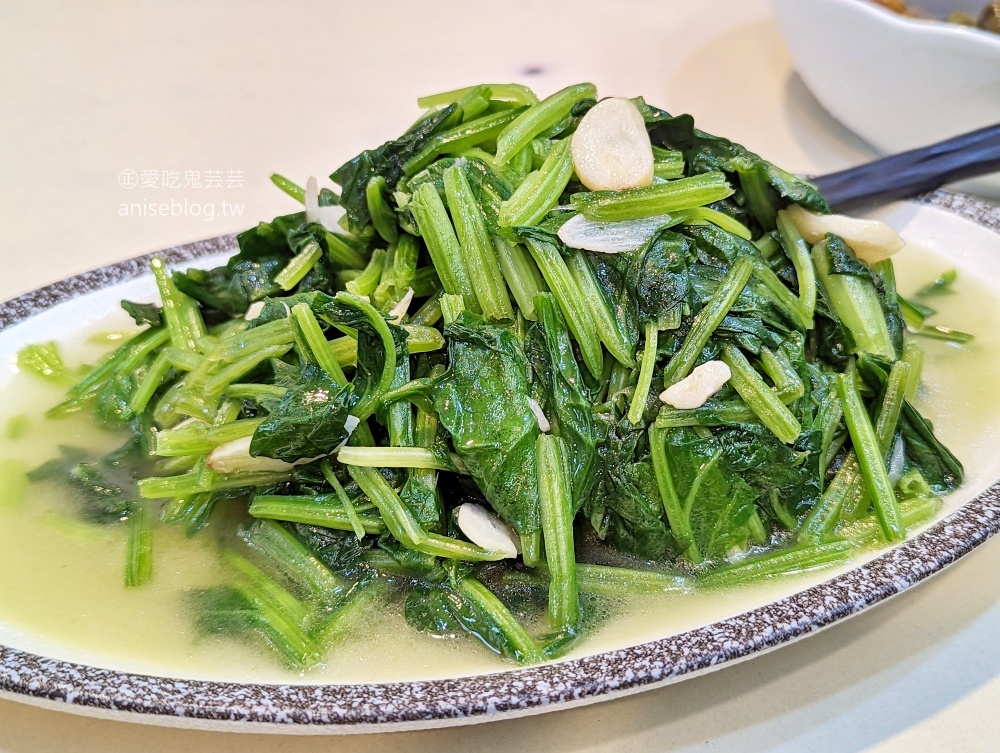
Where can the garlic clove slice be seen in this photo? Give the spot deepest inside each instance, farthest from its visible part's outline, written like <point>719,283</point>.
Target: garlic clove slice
<point>328,217</point>
<point>611,148</point>
<point>694,390</point>
<point>871,240</point>
<point>234,457</point>
<point>253,310</point>
<point>485,529</point>
<point>543,422</point>
<point>611,237</point>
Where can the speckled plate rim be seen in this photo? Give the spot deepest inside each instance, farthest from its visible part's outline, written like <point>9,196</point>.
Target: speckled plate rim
<point>324,709</point>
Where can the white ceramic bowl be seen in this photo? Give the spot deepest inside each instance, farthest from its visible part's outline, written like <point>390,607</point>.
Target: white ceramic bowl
<point>898,82</point>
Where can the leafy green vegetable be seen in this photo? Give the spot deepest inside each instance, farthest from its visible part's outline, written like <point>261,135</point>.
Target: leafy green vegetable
<point>139,557</point>
<point>704,152</point>
<point>626,509</point>
<point>253,273</point>
<point>333,398</point>
<point>651,201</point>
<point>557,509</point>
<point>850,287</point>
<point>943,471</point>
<point>539,118</point>
<point>144,313</point>
<point>103,487</point>
<point>940,286</point>
<point>241,611</point>
<point>473,609</point>
<point>547,254</point>
<point>387,162</point>
<point>554,366</point>
<point>483,403</point>
<point>713,503</point>
<point>310,421</point>
<point>44,360</point>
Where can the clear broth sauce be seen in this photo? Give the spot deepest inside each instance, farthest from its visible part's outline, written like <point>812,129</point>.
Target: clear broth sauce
<point>61,582</point>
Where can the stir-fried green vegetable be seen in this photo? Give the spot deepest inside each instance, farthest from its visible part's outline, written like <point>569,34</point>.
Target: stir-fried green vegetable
<point>350,389</point>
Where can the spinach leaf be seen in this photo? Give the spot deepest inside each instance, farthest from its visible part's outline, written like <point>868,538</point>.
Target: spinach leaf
<point>769,466</point>
<point>445,611</point>
<point>556,368</point>
<point>242,610</point>
<point>387,161</point>
<point>144,313</point>
<point>310,421</point>
<point>658,277</point>
<point>250,275</point>
<point>103,487</point>
<point>482,400</point>
<point>864,304</point>
<point>749,333</point>
<point>381,346</point>
<point>431,610</point>
<point>718,249</point>
<point>626,509</point>
<point>111,406</point>
<point>716,499</point>
<point>279,307</point>
<point>704,152</point>
<point>341,551</point>
<point>422,500</point>
<point>424,567</point>
<point>311,418</point>
<point>841,259</point>
<point>611,272</point>
<point>232,288</point>
<point>943,471</point>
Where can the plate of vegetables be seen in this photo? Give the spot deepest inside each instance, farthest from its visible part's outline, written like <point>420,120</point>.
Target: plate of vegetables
<point>545,401</point>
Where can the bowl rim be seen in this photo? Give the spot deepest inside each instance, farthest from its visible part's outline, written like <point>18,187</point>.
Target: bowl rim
<point>352,708</point>
<point>936,26</point>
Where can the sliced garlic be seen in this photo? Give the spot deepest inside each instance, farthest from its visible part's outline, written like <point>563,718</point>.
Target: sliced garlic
<point>485,529</point>
<point>399,310</point>
<point>543,422</point>
<point>328,217</point>
<point>694,390</point>
<point>611,149</point>
<point>235,456</point>
<point>871,240</point>
<point>350,424</point>
<point>611,237</point>
<point>253,310</point>
<point>897,460</point>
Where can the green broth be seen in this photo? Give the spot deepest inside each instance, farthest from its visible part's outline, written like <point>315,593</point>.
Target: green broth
<point>61,581</point>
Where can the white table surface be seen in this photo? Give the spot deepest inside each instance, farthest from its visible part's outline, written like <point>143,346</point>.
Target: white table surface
<point>89,91</point>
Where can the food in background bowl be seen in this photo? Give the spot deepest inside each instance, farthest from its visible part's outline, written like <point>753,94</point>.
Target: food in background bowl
<point>988,19</point>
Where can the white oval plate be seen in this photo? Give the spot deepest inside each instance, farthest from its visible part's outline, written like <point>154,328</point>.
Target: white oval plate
<point>965,230</point>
